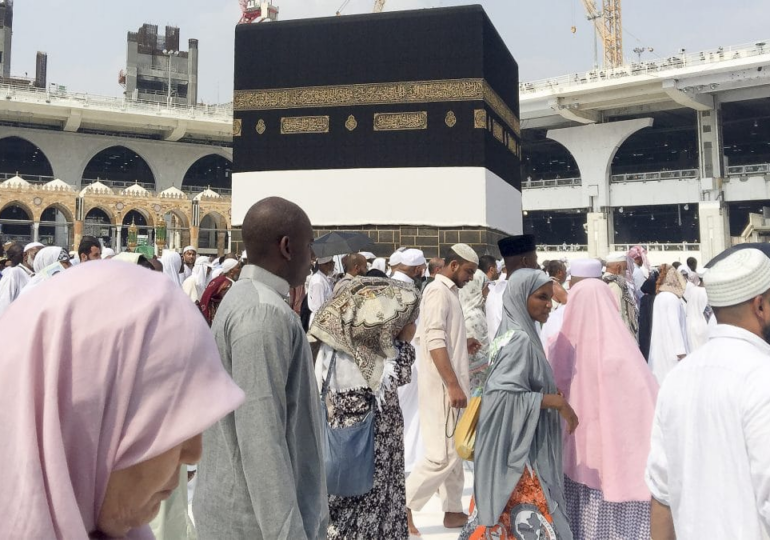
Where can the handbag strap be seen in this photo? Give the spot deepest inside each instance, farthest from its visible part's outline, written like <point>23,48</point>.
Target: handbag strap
<point>327,380</point>
<point>332,368</point>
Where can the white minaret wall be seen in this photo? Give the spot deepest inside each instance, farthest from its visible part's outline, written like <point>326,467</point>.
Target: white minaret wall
<point>430,196</point>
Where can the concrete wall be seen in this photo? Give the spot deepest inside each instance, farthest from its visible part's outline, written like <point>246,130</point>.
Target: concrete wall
<point>70,153</point>
<point>746,188</point>
<point>655,192</point>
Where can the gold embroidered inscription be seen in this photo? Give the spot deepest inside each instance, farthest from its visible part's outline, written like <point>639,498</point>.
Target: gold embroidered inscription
<point>237,127</point>
<point>400,121</point>
<point>261,126</point>
<point>304,124</point>
<point>376,94</point>
<point>497,131</point>
<point>480,118</point>
<point>351,123</point>
<point>450,119</point>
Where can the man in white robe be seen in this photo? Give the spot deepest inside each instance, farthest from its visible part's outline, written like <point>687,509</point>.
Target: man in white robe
<point>320,288</point>
<point>709,463</point>
<point>189,256</point>
<point>407,263</point>
<point>15,277</point>
<point>444,388</point>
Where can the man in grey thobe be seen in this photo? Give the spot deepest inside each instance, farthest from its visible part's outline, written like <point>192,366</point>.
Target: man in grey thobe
<point>262,471</point>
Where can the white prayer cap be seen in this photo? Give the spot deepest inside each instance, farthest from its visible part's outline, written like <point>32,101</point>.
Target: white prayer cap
<point>737,278</point>
<point>203,260</point>
<point>108,253</point>
<point>466,252</point>
<point>616,257</point>
<point>33,245</point>
<point>324,260</point>
<point>586,268</point>
<point>412,257</point>
<point>396,258</point>
<point>189,248</point>
<point>228,265</point>
<point>368,255</point>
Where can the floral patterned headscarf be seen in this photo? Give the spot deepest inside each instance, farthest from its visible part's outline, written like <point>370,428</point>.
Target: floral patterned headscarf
<point>363,320</point>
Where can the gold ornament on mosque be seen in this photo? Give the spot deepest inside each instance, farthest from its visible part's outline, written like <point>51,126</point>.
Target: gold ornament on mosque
<point>400,121</point>
<point>351,123</point>
<point>346,95</point>
<point>304,124</point>
<point>237,127</point>
<point>261,126</point>
<point>480,119</point>
<point>450,119</point>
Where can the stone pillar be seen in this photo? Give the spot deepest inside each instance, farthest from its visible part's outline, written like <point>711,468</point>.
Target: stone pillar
<point>118,231</point>
<point>194,231</point>
<point>36,231</point>
<point>598,232</point>
<point>229,241</point>
<point>710,147</point>
<point>221,238</point>
<point>77,233</point>
<point>713,217</point>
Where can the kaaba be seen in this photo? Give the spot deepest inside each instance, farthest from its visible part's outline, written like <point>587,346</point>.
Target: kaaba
<point>403,125</point>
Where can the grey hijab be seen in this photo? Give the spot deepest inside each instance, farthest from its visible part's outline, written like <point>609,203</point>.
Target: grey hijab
<point>513,430</point>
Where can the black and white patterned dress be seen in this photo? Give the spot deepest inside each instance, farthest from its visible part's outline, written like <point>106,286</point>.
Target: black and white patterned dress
<point>381,513</point>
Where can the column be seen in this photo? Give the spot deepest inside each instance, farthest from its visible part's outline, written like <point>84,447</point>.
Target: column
<point>118,231</point>
<point>229,241</point>
<point>77,234</point>
<point>36,231</point>
<point>713,213</point>
<point>194,231</point>
<point>221,238</point>
<point>598,232</point>
<point>713,217</point>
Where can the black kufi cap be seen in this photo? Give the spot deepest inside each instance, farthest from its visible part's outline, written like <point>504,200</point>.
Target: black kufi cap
<point>517,245</point>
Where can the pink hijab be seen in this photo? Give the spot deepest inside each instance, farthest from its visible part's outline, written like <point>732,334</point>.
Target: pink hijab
<point>104,367</point>
<point>598,367</point>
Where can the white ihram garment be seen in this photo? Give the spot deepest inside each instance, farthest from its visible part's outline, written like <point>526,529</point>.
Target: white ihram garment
<point>669,334</point>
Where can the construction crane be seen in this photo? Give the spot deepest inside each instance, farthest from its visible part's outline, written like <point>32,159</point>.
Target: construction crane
<point>607,25</point>
<point>378,6</point>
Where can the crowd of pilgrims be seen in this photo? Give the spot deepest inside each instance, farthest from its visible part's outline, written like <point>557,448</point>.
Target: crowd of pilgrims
<point>187,396</point>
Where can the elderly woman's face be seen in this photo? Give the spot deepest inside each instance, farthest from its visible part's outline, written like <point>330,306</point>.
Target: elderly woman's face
<point>539,303</point>
<point>134,494</point>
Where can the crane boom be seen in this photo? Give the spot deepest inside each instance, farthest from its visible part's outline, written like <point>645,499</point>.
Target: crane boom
<point>607,25</point>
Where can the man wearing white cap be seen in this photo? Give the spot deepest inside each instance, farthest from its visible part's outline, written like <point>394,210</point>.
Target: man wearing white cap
<point>444,385</point>
<point>30,250</point>
<point>410,267</point>
<point>394,261</point>
<point>189,256</point>
<point>709,464</point>
<point>615,277</point>
<point>320,289</point>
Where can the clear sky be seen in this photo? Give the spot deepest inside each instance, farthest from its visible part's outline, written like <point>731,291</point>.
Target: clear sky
<point>86,39</point>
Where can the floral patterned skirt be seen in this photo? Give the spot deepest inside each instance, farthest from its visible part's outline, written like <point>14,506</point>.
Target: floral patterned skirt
<point>525,517</point>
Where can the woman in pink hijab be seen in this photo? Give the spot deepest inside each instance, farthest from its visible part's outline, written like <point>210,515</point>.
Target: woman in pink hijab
<point>99,404</point>
<point>603,375</point>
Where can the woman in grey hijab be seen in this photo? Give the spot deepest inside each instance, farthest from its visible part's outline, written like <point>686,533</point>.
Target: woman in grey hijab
<point>518,484</point>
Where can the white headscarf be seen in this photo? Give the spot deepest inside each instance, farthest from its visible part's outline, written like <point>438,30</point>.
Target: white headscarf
<point>200,274</point>
<point>171,261</point>
<point>226,266</point>
<point>380,264</point>
<point>45,258</point>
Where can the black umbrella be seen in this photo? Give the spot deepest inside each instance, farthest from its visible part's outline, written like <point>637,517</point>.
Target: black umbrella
<point>761,246</point>
<point>340,243</point>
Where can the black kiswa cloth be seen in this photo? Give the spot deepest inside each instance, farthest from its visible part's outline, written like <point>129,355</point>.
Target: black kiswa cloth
<point>324,56</point>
